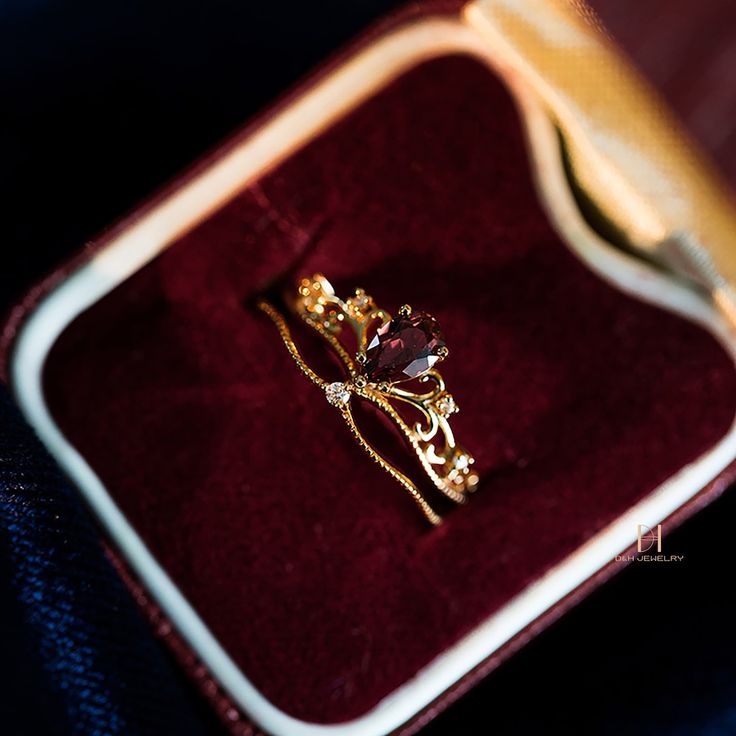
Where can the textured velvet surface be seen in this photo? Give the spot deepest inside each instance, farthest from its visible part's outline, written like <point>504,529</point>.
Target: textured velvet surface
<point>312,568</point>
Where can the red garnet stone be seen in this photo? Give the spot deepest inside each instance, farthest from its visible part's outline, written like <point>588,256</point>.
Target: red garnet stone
<point>406,347</point>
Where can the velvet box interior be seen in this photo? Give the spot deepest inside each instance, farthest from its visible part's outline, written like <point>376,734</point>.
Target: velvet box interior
<point>310,566</point>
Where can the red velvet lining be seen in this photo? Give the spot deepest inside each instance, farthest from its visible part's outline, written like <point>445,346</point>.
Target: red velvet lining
<point>313,569</point>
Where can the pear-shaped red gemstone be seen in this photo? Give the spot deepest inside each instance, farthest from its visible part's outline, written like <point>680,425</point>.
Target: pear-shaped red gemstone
<point>405,347</point>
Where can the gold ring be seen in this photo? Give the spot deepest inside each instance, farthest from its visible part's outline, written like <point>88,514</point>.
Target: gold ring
<point>394,357</point>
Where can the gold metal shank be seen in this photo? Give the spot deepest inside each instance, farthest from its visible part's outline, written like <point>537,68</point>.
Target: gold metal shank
<point>447,464</point>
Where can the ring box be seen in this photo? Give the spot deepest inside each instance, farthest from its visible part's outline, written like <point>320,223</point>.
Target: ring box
<point>499,165</point>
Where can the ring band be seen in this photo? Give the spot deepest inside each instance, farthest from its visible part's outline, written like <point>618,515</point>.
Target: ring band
<point>394,355</point>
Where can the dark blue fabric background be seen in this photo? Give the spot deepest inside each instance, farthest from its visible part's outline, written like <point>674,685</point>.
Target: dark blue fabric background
<point>101,103</point>
<point>77,656</point>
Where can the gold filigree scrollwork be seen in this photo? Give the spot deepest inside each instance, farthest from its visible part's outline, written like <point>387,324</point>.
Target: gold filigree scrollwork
<point>447,464</point>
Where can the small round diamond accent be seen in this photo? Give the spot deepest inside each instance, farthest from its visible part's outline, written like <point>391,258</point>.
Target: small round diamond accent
<point>446,405</point>
<point>338,394</point>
